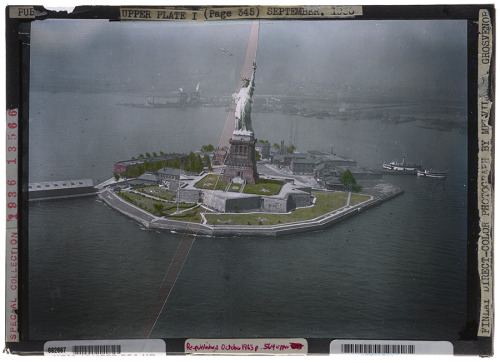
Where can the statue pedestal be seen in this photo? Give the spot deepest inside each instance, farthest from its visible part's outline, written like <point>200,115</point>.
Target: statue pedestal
<point>240,161</point>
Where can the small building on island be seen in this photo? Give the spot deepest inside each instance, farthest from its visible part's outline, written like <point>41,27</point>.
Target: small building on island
<point>331,160</point>
<point>166,176</point>
<point>130,168</point>
<point>360,173</point>
<point>264,149</point>
<point>303,166</point>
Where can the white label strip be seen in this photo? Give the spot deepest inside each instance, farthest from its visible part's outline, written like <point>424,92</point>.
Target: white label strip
<point>484,178</point>
<point>123,347</point>
<point>12,162</point>
<point>280,346</point>
<point>12,239</point>
<point>22,12</point>
<point>170,13</point>
<point>350,346</point>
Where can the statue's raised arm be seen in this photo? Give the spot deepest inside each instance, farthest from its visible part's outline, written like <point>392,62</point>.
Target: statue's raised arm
<point>243,100</point>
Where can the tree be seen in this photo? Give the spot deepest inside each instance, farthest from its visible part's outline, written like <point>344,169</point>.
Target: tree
<point>162,153</point>
<point>158,207</point>
<point>148,155</point>
<point>208,147</point>
<point>208,164</point>
<point>198,164</point>
<point>148,166</point>
<point>177,163</point>
<point>276,145</point>
<point>132,171</point>
<point>155,155</point>
<point>141,156</point>
<point>192,161</point>
<point>257,155</point>
<point>117,177</point>
<point>348,180</point>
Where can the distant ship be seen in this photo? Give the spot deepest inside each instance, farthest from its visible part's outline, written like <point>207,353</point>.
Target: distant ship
<point>402,167</point>
<point>429,173</point>
<point>184,100</point>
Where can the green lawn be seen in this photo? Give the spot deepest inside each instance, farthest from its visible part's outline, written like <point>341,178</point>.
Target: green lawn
<point>235,187</point>
<point>325,202</point>
<point>156,191</point>
<point>192,215</point>
<point>141,201</point>
<point>358,198</point>
<point>264,187</point>
<point>148,204</point>
<point>209,182</point>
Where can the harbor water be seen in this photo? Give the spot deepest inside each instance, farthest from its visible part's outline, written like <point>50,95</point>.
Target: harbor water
<point>397,270</point>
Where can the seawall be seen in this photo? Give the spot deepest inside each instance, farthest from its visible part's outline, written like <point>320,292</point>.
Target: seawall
<point>124,207</point>
<point>321,222</point>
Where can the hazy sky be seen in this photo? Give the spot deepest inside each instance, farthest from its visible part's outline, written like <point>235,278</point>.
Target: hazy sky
<point>413,57</point>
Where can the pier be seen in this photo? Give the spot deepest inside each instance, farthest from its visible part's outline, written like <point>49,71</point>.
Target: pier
<point>63,189</point>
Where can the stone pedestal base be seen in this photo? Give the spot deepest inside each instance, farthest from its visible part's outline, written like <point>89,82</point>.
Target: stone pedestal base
<point>240,161</point>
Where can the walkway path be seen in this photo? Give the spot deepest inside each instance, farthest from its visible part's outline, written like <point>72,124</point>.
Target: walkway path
<point>150,196</point>
<point>105,183</point>
<point>127,208</point>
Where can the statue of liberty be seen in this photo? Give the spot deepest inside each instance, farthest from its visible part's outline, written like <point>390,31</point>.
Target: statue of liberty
<point>243,100</point>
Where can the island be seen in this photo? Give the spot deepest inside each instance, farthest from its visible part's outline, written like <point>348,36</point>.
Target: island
<point>244,186</point>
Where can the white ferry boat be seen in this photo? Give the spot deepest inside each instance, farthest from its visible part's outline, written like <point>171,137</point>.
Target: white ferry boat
<point>429,173</point>
<point>402,167</point>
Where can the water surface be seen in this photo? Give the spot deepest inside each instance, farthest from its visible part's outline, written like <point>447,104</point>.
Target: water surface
<point>397,270</point>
